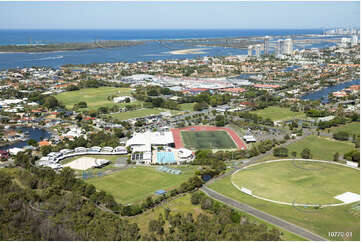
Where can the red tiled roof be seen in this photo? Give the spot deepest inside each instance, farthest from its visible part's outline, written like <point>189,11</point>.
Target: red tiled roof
<point>44,143</point>
<point>234,90</point>
<point>266,85</point>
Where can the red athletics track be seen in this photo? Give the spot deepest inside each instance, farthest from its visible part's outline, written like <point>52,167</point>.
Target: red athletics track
<point>178,139</point>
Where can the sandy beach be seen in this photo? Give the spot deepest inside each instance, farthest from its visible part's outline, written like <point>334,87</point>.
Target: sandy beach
<point>188,51</point>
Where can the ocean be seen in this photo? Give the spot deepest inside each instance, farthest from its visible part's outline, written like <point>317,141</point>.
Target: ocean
<point>8,37</point>
<point>149,51</point>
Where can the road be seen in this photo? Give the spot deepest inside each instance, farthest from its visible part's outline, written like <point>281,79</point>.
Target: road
<point>263,216</point>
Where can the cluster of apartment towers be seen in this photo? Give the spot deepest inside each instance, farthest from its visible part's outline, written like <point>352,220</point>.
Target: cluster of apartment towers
<point>283,47</point>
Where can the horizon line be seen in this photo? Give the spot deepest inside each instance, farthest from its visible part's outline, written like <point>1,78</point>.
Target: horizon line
<point>176,28</point>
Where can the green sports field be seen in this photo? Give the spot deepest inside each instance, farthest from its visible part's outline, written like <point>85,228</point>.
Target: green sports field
<point>133,185</point>
<point>278,113</point>
<point>299,181</point>
<point>94,97</point>
<point>207,140</point>
<point>320,221</point>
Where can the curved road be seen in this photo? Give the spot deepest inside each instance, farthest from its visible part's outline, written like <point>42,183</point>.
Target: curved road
<point>263,216</point>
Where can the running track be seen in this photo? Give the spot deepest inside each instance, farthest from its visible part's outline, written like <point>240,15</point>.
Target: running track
<point>178,139</point>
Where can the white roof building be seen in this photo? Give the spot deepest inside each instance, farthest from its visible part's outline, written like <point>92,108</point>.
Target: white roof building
<point>15,151</point>
<point>122,99</point>
<point>142,142</point>
<point>184,153</point>
<point>151,138</point>
<point>249,138</point>
<point>324,119</point>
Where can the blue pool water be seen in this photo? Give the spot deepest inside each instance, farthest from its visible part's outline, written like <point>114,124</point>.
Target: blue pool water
<point>165,157</point>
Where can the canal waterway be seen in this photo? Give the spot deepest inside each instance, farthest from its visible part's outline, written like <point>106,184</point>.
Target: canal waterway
<point>36,134</point>
<point>323,93</point>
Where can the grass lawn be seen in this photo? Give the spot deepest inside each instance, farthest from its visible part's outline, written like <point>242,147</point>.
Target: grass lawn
<point>277,113</point>
<point>321,148</point>
<point>186,106</point>
<point>137,113</point>
<point>94,97</point>
<point>320,221</point>
<point>351,128</point>
<point>132,185</point>
<point>207,140</point>
<point>184,206</point>
<point>299,181</point>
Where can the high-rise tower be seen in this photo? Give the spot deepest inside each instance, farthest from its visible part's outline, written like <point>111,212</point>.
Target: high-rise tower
<point>288,47</point>
<point>258,50</point>
<point>266,45</point>
<point>279,48</point>
<point>250,50</point>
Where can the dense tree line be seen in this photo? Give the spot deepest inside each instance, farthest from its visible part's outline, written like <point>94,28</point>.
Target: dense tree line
<point>217,222</point>
<point>315,113</point>
<point>334,122</point>
<point>255,118</point>
<point>42,205</point>
<point>341,135</point>
<point>143,93</point>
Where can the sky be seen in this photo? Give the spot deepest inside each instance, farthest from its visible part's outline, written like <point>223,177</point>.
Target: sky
<point>178,15</point>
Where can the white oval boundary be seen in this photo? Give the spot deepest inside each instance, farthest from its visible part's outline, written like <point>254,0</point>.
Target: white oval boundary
<point>286,203</point>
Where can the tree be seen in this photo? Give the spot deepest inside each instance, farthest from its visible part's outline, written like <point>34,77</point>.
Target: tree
<point>206,203</point>
<point>72,88</point>
<point>294,154</point>
<point>353,155</point>
<point>220,121</point>
<point>45,150</point>
<point>195,198</point>
<point>32,143</point>
<point>157,102</point>
<point>336,156</point>
<point>148,203</point>
<point>90,189</point>
<point>102,110</point>
<point>197,107</point>
<point>51,102</point>
<point>280,152</point>
<point>82,104</point>
<point>152,92</point>
<point>306,153</point>
<point>341,135</point>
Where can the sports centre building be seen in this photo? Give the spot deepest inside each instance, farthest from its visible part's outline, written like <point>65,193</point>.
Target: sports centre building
<point>167,147</point>
<point>157,148</point>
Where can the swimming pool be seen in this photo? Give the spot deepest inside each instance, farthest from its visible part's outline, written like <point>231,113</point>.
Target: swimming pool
<point>165,157</point>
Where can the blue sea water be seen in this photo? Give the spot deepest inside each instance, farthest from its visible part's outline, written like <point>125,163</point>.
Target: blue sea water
<point>8,37</point>
<point>145,52</point>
